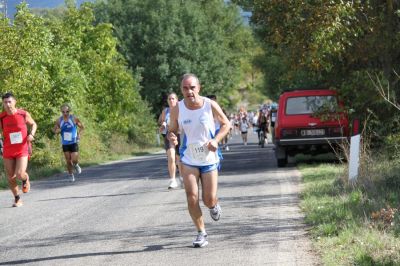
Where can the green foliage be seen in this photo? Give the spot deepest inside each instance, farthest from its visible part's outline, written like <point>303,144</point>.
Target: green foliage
<point>393,147</point>
<point>279,76</point>
<point>68,59</point>
<point>164,39</point>
<point>333,44</point>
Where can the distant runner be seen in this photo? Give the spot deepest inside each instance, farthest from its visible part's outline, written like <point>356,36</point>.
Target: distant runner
<point>171,149</point>
<point>68,125</point>
<point>263,123</point>
<point>244,125</point>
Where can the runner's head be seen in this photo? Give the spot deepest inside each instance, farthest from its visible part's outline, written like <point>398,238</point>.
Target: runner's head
<point>190,87</point>
<point>9,101</point>
<point>7,95</point>
<point>172,99</point>
<point>65,109</point>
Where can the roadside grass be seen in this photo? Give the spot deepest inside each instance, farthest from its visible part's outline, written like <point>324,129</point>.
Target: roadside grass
<point>353,224</point>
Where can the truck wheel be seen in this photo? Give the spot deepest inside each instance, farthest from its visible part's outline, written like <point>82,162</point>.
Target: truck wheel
<point>282,162</point>
<point>281,156</point>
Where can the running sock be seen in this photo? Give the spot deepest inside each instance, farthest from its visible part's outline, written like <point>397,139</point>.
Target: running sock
<point>17,198</point>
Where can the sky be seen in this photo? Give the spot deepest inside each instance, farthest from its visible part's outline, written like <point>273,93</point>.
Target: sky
<point>11,4</point>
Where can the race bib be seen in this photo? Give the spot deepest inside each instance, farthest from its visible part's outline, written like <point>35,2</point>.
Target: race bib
<point>200,153</point>
<point>16,138</point>
<point>68,136</point>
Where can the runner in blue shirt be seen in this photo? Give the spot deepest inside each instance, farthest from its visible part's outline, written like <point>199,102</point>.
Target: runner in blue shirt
<point>67,125</point>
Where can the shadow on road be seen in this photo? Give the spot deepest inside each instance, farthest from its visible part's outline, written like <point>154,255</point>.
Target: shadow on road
<point>82,255</point>
<point>239,160</point>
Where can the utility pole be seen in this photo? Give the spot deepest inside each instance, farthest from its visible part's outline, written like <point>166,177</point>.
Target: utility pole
<point>3,8</point>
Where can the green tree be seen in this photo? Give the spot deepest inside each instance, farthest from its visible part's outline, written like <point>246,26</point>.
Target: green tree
<point>49,61</point>
<point>333,43</point>
<point>164,39</point>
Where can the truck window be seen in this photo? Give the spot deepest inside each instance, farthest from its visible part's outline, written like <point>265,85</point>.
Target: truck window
<point>310,104</point>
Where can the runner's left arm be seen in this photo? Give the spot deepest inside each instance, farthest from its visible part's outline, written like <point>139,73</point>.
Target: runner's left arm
<point>29,120</point>
<point>219,115</point>
<point>56,128</point>
<point>80,126</point>
<point>1,139</point>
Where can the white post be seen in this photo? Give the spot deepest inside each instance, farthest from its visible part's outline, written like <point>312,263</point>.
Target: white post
<point>158,138</point>
<point>354,158</point>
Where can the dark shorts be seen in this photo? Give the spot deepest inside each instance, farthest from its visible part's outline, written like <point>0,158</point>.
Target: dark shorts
<point>167,145</point>
<point>70,147</point>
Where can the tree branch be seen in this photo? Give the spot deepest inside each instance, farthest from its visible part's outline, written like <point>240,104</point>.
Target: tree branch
<point>379,87</point>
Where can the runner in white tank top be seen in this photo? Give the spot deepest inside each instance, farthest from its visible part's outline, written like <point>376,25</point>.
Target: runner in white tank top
<point>198,127</point>
<point>172,151</point>
<point>195,116</point>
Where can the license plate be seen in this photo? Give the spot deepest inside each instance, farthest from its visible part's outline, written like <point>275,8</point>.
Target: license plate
<point>313,132</point>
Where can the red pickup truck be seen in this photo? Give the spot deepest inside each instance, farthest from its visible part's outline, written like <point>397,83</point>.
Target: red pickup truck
<point>309,122</point>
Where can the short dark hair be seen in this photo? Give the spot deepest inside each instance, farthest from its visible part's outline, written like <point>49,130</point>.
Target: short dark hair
<point>7,95</point>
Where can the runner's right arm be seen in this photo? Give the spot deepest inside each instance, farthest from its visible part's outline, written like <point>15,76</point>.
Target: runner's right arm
<point>56,128</point>
<point>161,121</point>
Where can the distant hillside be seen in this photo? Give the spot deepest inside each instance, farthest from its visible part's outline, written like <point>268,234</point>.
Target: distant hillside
<point>38,3</point>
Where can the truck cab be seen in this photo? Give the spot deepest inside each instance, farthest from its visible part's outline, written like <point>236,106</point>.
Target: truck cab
<point>309,122</point>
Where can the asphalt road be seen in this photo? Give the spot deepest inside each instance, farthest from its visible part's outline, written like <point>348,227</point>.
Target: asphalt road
<point>123,214</point>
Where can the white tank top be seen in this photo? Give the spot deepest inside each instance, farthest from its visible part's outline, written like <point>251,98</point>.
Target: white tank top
<point>197,127</point>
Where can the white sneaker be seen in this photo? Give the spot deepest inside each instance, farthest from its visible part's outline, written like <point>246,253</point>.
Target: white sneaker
<point>72,178</point>
<point>215,212</point>
<point>201,240</point>
<point>172,184</point>
<point>78,169</point>
<point>227,148</point>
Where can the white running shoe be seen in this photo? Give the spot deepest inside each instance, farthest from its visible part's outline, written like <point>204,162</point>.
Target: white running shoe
<point>78,169</point>
<point>227,148</point>
<point>215,212</point>
<point>72,178</point>
<point>172,184</point>
<point>201,240</point>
